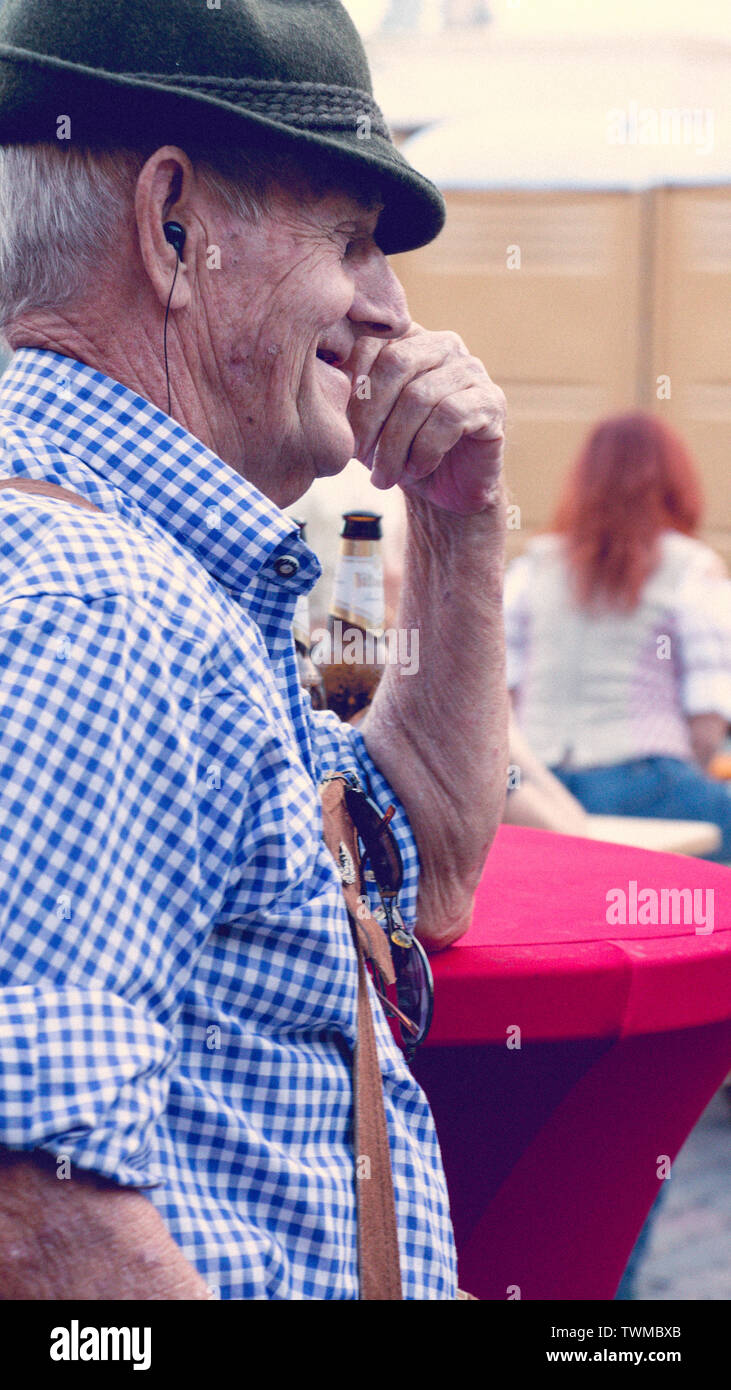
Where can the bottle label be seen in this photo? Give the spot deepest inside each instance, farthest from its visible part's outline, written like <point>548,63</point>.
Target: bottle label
<point>358,591</point>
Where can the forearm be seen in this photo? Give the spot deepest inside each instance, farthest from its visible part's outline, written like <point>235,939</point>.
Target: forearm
<point>707,736</point>
<point>83,1238</point>
<point>440,735</point>
<point>539,799</point>
<point>535,805</point>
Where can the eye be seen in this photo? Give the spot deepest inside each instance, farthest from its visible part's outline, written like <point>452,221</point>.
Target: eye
<point>354,243</point>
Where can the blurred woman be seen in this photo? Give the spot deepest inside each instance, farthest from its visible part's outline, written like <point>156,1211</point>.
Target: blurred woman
<point>618,626</point>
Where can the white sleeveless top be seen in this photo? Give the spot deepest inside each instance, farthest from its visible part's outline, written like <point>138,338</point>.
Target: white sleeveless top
<point>592,690</point>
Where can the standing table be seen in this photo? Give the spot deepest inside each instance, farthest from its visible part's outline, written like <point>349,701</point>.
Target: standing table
<point>553,1148</point>
<point>673,836</point>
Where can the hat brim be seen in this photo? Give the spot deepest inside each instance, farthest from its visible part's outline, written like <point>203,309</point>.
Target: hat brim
<point>30,107</point>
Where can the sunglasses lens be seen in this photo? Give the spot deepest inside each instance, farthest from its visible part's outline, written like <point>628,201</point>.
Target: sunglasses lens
<point>414,988</point>
<point>383,866</point>
<point>378,840</point>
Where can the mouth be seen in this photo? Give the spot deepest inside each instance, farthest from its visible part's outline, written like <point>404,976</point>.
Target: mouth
<point>331,358</point>
<point>334,365</point>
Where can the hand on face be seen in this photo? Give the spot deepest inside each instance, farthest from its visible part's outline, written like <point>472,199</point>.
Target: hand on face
<point>307,306</point>
<point>431,419</point>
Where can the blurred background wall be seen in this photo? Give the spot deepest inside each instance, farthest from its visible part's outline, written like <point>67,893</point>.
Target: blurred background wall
<point>621,299</point>
<point>584,154</point>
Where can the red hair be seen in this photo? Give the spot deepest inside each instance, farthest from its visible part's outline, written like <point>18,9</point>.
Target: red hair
<point>633,479</point>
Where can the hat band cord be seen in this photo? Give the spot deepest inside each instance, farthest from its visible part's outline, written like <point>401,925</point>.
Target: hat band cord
<point>311,105</point>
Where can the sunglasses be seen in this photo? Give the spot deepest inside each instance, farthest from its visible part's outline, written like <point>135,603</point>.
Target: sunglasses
<point>382,867</point>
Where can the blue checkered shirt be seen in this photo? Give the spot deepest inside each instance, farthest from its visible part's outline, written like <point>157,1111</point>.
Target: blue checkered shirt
<point>178,979</point>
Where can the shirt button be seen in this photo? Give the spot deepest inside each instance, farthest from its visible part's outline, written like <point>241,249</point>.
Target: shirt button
<point>286,566</point>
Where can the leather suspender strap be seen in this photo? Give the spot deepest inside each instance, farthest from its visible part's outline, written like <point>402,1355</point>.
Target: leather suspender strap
<point>45,489</point>
<point>378,1248</point>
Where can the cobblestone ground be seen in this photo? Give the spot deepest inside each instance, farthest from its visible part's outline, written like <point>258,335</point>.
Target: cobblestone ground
<point>689,1255</point>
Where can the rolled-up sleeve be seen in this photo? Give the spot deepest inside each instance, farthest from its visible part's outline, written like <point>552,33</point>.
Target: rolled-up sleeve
<point>703,626</point>
<point>338,746</point>
<point>83,1073</point>
<point>99,905</point>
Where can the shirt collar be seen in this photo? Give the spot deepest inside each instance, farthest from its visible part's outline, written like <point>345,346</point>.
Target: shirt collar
<point>231,527</point>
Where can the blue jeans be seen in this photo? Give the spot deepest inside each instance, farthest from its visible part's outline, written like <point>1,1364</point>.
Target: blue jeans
<point>663,788</point>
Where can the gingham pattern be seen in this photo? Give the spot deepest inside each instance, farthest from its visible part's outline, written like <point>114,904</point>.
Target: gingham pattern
<point>178,980</point>
<point>599,688</point>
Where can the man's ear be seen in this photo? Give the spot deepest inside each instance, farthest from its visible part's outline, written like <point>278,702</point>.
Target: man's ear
<point>164,193</point>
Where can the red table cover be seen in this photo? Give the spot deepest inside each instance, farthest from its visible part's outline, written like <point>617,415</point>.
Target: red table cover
<point>554,1151</point>
<point>541,952</point>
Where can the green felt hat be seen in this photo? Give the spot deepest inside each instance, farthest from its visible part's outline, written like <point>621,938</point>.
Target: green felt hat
<point>222,74</point>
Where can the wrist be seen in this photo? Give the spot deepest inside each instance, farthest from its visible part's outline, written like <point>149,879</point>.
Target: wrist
<point>487,525</point>
<point>447,550</point>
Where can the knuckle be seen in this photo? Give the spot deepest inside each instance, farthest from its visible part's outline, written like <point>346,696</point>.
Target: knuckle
<point>487,422</point>
<point>447,412</point>
<point>417,393</point>
<point>494,401</point>
<point>452,340</point>
<point>395,358</point>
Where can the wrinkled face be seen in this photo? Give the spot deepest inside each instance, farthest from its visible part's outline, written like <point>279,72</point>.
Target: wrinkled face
<point>294,294</point>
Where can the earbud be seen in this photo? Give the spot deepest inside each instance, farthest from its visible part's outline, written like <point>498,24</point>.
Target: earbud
<point>175,235</point>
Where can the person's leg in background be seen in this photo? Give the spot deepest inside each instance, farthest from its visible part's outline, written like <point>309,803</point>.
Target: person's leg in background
<point>657,788</point>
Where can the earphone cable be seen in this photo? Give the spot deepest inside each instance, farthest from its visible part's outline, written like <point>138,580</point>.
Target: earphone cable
<point>165,330</point>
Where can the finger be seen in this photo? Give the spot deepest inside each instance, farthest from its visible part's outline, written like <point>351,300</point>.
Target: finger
<point>367,349</point>
<point>397,363</point>
<point>412,409</point>
<point>465,415</point>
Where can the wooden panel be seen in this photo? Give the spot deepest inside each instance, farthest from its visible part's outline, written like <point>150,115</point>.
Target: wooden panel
<point>692,339</point>
<point>545,288</point>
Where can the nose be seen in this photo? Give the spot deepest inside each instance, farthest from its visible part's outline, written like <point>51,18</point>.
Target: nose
<point>379,308</point>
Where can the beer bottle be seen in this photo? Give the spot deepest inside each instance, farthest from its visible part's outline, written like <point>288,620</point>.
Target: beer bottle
<point>309,676</point>
<point>357,616</point>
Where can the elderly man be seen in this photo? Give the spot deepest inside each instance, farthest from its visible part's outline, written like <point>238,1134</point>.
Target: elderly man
<point>178,976</point>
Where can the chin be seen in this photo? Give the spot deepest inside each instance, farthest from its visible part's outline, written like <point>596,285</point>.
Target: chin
<point>295,487</point>
<point>324,449</point>
<point>331,452</point>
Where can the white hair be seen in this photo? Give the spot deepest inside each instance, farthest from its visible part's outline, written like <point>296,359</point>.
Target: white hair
<point>61,210</point>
